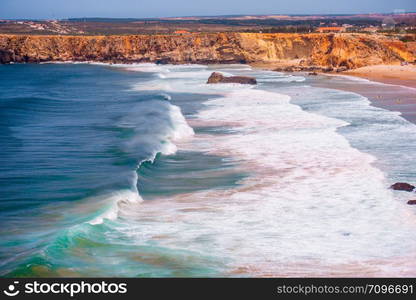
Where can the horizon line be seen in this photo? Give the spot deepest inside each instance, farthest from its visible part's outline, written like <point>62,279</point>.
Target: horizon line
<point>208,16</point>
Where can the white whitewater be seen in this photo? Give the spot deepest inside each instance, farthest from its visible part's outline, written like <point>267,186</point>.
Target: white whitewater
<point>311,205</point>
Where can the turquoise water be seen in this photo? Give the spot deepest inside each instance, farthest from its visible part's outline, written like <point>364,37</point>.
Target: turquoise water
<point>146,171</point>
<point>72,136</point>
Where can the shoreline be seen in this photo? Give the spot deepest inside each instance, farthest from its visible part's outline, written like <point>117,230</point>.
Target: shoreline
<point>395,91</point>
<point>391,87</point>
<point>280,161</point>
<point>388,74</point>
<point>400,79</point>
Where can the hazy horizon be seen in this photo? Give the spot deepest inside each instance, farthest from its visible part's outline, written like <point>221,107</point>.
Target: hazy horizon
<point>60,9</point>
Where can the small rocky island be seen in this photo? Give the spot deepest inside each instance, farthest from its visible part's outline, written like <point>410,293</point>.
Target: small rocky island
<point>219,78</point>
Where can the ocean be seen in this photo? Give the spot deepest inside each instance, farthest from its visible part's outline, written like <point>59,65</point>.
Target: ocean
<point>145,170</point>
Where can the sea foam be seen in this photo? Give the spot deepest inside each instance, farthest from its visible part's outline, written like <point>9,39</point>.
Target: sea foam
<point>312,201</point>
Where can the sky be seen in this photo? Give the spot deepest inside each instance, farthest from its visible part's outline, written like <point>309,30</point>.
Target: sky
<point>60,9</point>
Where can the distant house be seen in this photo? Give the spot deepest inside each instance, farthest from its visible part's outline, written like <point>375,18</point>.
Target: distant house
<point>181,32</point>
<point>331,29</point>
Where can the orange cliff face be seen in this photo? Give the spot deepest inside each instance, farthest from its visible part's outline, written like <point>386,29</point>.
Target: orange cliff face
<point>325,50</point>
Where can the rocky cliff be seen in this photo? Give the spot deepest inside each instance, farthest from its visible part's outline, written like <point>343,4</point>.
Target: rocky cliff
<point>327,50</point>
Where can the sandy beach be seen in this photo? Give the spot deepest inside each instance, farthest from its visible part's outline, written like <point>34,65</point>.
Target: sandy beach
<point>396,93</point>
<point>390,74</point>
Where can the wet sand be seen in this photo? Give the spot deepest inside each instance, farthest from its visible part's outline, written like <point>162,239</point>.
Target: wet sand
<point>398,92</point>
<point>391,87</point>
<point>388,95</point>
<point>390,74</point>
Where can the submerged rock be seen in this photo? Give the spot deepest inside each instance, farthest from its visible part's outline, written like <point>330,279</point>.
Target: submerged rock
<point>411,202</point>
<point>219,78</point>
<point>402,186</point>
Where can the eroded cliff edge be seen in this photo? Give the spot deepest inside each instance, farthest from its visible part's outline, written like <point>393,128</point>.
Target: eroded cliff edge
<point>325,50</point>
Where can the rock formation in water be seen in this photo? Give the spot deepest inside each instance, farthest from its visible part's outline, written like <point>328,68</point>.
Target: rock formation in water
<point>313,50</point>
<point>219,78</point>
<point>403,186</point>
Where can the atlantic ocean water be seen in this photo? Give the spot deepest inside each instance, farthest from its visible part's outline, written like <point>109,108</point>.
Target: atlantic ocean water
<point>146,171</point>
